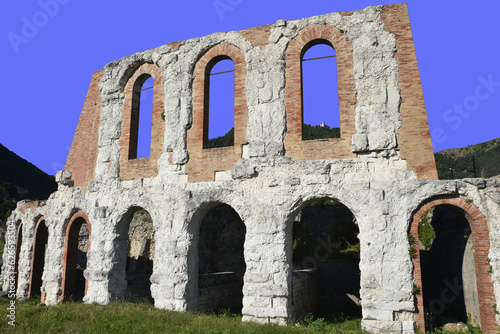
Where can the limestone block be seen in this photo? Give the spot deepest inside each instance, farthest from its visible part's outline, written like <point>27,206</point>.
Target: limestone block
<point>381,140</point>
<point>63,177</point>
<point>359,142</point>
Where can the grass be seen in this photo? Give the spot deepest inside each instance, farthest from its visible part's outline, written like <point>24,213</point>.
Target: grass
<point>123,318</point>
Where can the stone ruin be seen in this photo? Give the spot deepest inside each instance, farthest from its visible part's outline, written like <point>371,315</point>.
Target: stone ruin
<point>273,226</point>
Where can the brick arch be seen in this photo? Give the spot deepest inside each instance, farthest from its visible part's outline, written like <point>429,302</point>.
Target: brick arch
<point>331,148</point>
<point>481,246</point>
<point>70,252</point>
<point>38,258</point>
<point>203,163</point>
<point>147,166</point>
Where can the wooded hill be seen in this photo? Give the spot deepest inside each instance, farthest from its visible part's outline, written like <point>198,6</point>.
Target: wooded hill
<point>486,162</point>
<point>20,180</point>
<point>309,132</point>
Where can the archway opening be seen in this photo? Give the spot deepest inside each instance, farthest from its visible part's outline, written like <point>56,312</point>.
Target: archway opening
<point>77,246</point>
<point>221,262</point>
<point>38,260</point>
<point>137,247</point>
<point>325,262</point>
<point>449,286</point>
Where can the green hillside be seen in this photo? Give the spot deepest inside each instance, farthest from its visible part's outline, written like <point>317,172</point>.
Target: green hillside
<point>310,132</point>
<point>19,180</point>
<point>486,157</point>
<point>222,141</point>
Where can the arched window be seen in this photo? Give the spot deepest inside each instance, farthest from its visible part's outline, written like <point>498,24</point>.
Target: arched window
<point>220,101</point>
<point>141,121</point>
<point>320,106</point>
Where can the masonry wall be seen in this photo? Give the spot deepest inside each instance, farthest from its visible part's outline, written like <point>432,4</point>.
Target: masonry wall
<point>366,88</point>
<point>82,156</point>
<point>373,169</point>
<point>414,139</point>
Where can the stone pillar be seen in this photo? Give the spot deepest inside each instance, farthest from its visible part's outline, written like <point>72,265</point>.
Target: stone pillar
<point>267,282</point>
<point>102,280</point>
<point>386,269</point>
<point>170,288</point>
<point>25,256</point>
<point>52,271</point>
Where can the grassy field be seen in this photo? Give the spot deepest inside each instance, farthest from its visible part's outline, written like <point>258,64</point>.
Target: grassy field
<point>123,318</point>
<point>31,317</point>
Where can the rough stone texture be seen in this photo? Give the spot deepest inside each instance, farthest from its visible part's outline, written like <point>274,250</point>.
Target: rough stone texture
<point>381,169</point>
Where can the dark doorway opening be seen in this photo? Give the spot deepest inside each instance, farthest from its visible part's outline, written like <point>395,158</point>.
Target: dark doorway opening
<point>449,287</point>
<point>41,240</point>
<point>221,262</point>
<point>77,245</point>
<point>325,257</point>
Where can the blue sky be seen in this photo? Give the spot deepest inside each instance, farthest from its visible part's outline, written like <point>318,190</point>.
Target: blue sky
<point>50,48</point>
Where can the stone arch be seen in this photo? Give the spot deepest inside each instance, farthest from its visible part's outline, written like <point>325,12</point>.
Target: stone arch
<point>318,275</point>
<point>19,242</point>
<point>78,233</point>
<point>481,246</point>
<point>203,163</point>
<point>38,259</point>
<point>319,149</point>
<point>240,43</point>
<point>147,166</point>
<point>134,246</point>
<point>216,263</point>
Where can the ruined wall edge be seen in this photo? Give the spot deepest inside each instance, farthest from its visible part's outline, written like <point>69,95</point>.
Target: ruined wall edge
<point>82,156</point>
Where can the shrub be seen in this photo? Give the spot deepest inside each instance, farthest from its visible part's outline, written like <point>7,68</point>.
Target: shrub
<point>425,232</point>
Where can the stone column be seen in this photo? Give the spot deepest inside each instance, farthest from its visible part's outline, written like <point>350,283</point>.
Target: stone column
<point>52,271</point>
<point>170,288</point>
<point>267,281</point>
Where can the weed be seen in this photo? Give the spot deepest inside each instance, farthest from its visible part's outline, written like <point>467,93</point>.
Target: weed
<point>425,232</point>
<point>413,252</point>
<point>317,326</point>
<point>470,327</point>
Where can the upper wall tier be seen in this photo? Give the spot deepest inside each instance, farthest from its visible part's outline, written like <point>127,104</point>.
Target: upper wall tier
<point>380,101</point>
